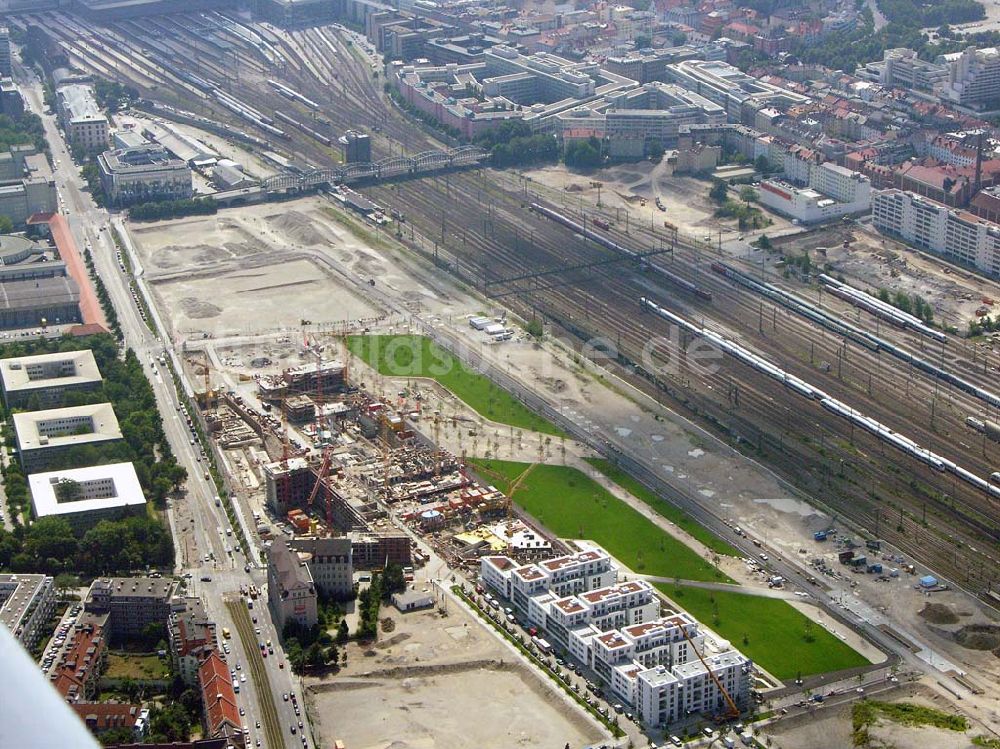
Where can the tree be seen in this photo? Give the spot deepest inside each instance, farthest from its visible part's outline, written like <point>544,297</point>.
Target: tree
<point>393,580</point>
<point>764,242</point>
<point>343,632</point>
<point>643,41</point>
<point>115,736</point>
<point>718,191</point>
<point>748,195</point>
<point>584,154</point>
<point>6,225</point>
<point>762,165</point>
<point>656,150</point>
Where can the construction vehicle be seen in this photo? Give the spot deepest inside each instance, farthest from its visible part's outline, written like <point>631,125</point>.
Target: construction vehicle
<point>732,710</point>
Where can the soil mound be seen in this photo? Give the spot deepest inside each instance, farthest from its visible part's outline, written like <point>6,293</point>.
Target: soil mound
<point>938,613</point>
<point>979,637</point>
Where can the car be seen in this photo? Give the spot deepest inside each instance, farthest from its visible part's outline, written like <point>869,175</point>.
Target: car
<point>294,729</point>
<point>206,578</point>
<point>285,697</point>
<point>254,618</point>
<point>676,741</point>
<point>297,710</point>
<point>258,742</point>
<point>281,665</point>
<point>304,742</point>
<point>257,631</point>
<point>243,678</point>
<point>242,711</point>
<point>258,724</point>
<point>270,651</point>
<point>300,724</point>
<point>239,666</point>
<point>269,645</point>
<point>290,694</point>
<point>708,731</point>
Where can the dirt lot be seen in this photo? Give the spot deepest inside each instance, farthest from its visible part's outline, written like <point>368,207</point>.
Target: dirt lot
<point>235,272</point>
<point>831,727</point>
<point>623,187</point>
<point>427,686</point>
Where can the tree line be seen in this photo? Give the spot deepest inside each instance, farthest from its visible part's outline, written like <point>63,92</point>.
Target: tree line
<point>511,143</point>
<point>164,209</point>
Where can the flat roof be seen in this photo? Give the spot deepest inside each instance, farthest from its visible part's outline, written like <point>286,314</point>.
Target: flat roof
<point>124,490</point>
<point>21,592</point>
<point>31,427</point>
<point>20,373</point>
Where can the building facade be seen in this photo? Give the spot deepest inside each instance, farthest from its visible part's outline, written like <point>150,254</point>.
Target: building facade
<point>131,603</point>
<point>143,173</point>
<point>330,562</point>
<point>82,120</point>
<point>26,605</point>
<point>291,591</point>
<point>45,378</point>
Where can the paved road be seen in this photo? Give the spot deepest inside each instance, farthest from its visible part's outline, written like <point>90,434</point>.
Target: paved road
<point>746,590</point>
<point>199,526</point>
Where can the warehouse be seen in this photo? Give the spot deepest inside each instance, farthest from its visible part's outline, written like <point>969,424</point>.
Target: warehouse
<point>42,436</point>
<point>85,496</point>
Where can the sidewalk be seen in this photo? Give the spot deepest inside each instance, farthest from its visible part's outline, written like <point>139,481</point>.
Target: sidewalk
<point>69,253</point>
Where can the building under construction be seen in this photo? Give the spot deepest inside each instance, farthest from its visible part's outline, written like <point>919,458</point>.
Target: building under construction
<point>314,380</point>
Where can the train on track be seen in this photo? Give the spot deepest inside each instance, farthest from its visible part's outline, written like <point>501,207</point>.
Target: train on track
<point>799,386</point>
<point>880,309</point>
<point>304,128</point>
<point>615,247</point>
<point>870,341</point>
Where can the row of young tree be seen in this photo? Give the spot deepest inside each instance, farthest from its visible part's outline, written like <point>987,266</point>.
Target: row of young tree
<point>164,209</point>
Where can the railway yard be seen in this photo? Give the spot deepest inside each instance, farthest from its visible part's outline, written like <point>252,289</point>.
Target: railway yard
<point>894,458</point>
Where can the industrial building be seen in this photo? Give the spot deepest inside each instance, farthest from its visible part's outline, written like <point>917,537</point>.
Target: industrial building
<point>43,436</point>
<point>84,123</point>
<point>330,563</point>
<point>131,603</point>
<point>928,225</point>
<point>290,589</point>
<point>43,379</point>
<point>26,606</point>
<point>143,173</point>
<point>85,496</point>
<point>35,289</point>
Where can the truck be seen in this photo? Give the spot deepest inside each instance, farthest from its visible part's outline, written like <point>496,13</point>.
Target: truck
<point>845,557</point>
<point>226,633</point>
<point>542,645</point>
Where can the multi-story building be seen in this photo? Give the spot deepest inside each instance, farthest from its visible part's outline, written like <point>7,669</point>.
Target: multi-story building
<point>82,120</point>
<point>144,173</point>
<point>26,605</point>
<point>833,192</point>
<point>928,225</point>
<point>5,62</point>
<point>330,564</point>
<point>740,94</point>
<point>665,695</point>
<point>85,496</point>
<point>549,580</point>
<point>651,66</point>
<point>287,483</point>
<point>43,436</point>
<point>222,715</point>
<point>973,77</point>
<point>291,591</point>
<point>78,672</point>
<point>192,637</point>
<point>132,603</point>
<point>45,378</point>
<point>901,68</point>
<point>599,610</point>
<point>373,551</point>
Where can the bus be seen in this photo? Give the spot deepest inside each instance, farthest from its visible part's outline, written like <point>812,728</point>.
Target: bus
<point>226,633</point>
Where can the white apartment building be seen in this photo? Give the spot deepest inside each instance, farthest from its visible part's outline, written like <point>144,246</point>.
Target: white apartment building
<point>973,76</point>
<point>47,376</point>
<point>573,617</point>
<point>43,435</point>
<point>26,606</point>
<point>85,496</point>
<point>934,227</point>
<point>81,117</point>
<point>290,588</point>
<point>665,695</point>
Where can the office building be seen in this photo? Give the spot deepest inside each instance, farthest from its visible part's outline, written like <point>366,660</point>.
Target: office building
<point>832,192</point>
<point>901,68</point>
<point>290,589</point>
<point>973,77</point>
<point>83,122</point>
<point>330,564</point>
<point>192,637</point>
<point>357,147</point>
<point>143,173</point>
<point>953,234</point>
<point>132,603</point>
<point>44,436</point>
<point>43,379</point>
<point>5,60</point>
<point>741,95</point>
<point>26,606</point>
<point>85,496</point>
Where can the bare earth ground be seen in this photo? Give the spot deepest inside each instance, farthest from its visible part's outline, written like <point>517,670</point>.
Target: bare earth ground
<point>831,727</point>
<point>440,683</point>
<point>685,197</point>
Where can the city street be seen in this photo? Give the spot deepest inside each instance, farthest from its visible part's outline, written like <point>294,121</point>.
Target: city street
<point>199,526</point>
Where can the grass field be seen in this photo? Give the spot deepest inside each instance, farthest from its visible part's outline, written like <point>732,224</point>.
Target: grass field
<point>128,666</point>
<point>771,632</point>
<point>671,512</point>
<point>572,505</point>
<point>417,356</point>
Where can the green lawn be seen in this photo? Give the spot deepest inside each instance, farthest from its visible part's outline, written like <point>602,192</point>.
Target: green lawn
<point>770,631</point>
<point>417,356</point>
<point>572,505</point>
<point>121,666</point>
<point>671,512</point>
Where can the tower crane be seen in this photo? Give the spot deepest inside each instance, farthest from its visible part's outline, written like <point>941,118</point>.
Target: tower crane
<point>732,710</point>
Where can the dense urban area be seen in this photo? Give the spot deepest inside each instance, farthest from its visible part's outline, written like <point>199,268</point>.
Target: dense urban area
<point>434,375</point>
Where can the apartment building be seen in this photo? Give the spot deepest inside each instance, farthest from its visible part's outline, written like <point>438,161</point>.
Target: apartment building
<point>330,562</point>
<point>144,173</point>
<point>5,61</point>
<point>665,695</point>
<point>192,637</point>
<point>222,716</point>
<point>45,378</point>
<point>291,591</point>
<point>42,436</point>
<point>85,496</point>
<point>602,609</point>
<point>82,120</point>
<point>26,605</point>
<point>928,225</point>
<point>76,675</point>
<point>552,579</point>
<point>132,603</point>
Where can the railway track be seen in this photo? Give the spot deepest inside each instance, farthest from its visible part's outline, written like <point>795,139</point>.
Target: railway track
<point>262,683</point>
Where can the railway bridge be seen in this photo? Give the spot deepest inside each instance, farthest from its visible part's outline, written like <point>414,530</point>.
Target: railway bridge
<point>393,167</point>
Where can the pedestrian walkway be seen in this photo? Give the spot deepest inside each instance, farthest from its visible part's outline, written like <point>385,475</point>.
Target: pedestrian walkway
<point>90,307</point>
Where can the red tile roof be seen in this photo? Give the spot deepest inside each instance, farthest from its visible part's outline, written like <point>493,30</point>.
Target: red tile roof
<point>103,716</point>
<point>217,695</point>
